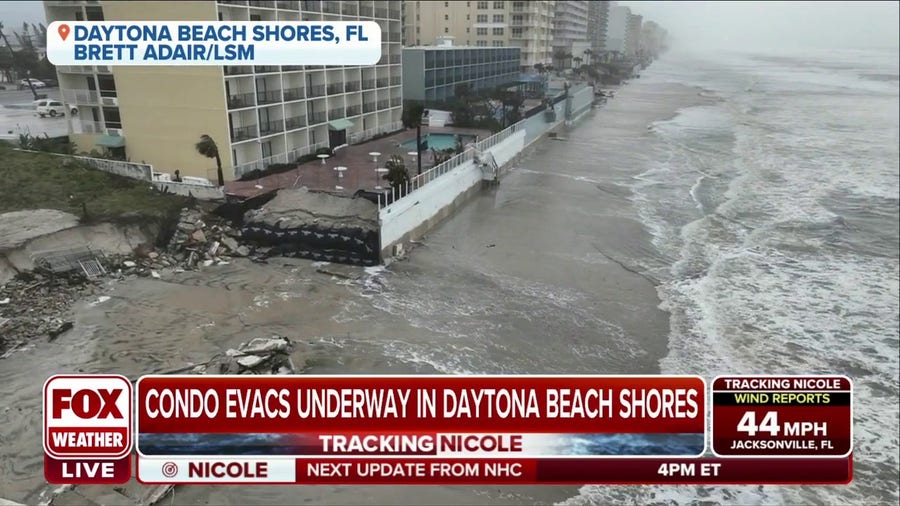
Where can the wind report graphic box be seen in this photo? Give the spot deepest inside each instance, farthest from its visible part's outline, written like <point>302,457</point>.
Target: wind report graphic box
<point>87,432</point>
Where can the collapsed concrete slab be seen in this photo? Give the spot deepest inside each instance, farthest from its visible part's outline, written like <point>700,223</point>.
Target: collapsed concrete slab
<point>317,226</point>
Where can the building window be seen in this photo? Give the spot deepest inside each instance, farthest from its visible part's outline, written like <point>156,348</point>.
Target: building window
<point>498,43</point>
<point>468,17</point>
<point>446,30</point>
<point>517,32</point>
<point>266,149</point>
<point>481,31</point>
<point>467,29</point>
<point>497,31</point>
<point>483,5</point>
<point>498,18</point>
<point>481,43</point>
<point>499,5</point>
<point>446,4</point>
<point>481,18</point>
<point>446,17</point>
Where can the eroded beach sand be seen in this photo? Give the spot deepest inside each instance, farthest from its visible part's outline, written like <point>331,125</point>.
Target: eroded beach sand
<point>540,275</point>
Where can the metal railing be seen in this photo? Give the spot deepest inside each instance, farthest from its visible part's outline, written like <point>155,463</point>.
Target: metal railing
<point>352,86</point>
<point>384,104</point>
<point>335,89</point>
<point>337,113</point>
<point>271,127</point>
<point>243,133</point>
<point>266,4</point>
<point>295,122</point>
<point>368,84</point>
<point>287,4</point>
<point>80,96</point>
<point>316,118</point>
<point>237,70</point>
<point>331,7</point>
<point>265,69</point>
<point>353,110</point>
<point>268,97</point>
<point>291,94</point>
<point>382,82</point>
<point>291,68</point>
<point>241,100</point>
<point>369,107</point>
<point>365,11</point>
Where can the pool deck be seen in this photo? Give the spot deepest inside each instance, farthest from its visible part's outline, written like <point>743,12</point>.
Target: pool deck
<point>360,166</point>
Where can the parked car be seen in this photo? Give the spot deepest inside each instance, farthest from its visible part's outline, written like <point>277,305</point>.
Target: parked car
<point>23,84</point>
<point>50,83</point>
<point>50,108</point>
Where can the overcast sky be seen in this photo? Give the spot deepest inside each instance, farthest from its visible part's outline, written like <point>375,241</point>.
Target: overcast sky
<point>764,25</point>
<point>726,25</point>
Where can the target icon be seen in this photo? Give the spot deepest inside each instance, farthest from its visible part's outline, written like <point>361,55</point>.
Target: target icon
<point>169,469</point>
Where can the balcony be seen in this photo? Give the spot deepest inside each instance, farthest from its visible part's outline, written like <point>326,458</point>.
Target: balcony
<point>348,8</point>
<point>369,107</point>
<point>265,69</point>
<point>268,97</point>
<point>265,4</point>
<point>272,127</point>
<point>76,69</point>
<point>317,90</point>
<point>233,2</point>
<point>365,11</point>
<point>331,7</point>
<point>354,110</point>
<point>291,94</point>
<point>381,13</point>
<point>394,13</point>
<point>241,100</point>
<point>287,5</point>
<point>352,86</point>
<point>396,101</point>
<point>295,122</point>
<point>395,59</point>
<point>395,80</point>
<point>238,70</point>
<point>335,89</point>
<point>384,104</point>
<point>80,96</point>
<point>393,37</point>
<point>368,84</point>
<point>336,113</point>
<point>382,83</point>
<point>312,5</point>
<point>243,133</point>
<point>316,118</point>
<point>291,68</point>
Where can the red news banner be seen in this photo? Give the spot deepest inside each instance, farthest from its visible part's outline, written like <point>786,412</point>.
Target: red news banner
<point>410,430</point>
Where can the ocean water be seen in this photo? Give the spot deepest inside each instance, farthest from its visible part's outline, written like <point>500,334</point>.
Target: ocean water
<point>779,205</point>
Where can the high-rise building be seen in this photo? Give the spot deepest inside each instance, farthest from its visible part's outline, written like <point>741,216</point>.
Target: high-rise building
<point>257,115</point>
<point>524,24</point>
<point>617,29</point>
<point>570,30</point>
<point>598,19</point>
<point>633,36</point>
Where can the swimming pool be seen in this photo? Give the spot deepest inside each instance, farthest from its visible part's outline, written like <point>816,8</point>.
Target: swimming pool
<point>438,141</point>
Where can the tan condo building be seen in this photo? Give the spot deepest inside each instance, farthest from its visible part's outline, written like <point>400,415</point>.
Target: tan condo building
<point>527,25</point>
<point>258,115</point>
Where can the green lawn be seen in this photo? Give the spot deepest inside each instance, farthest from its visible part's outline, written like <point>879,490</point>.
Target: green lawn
<point>42,181</point>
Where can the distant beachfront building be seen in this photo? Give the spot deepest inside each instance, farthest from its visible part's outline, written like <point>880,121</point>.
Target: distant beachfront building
<point>617,29</point>
<point>570,32</point>
<point>598,20</point>
<point>524,24</point>
<point>432,73</point>
<point>258,115</point>
<point>633,36</point>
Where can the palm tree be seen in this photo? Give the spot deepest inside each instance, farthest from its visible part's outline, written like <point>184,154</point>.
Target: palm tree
<point>577,61</point>
<point>412,118</point>
<point>588,53</point>
<point>208,148</point>
<point>396,175</point>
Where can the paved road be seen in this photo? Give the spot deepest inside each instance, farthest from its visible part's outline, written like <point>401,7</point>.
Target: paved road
<point>15,119</point>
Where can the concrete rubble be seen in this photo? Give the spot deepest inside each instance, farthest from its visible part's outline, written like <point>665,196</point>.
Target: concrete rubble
<point>261,355</point>
<point>36,304</point>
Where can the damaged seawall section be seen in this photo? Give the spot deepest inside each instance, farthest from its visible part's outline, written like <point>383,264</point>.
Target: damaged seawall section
<point>413,215</point>
<point>316,226</point>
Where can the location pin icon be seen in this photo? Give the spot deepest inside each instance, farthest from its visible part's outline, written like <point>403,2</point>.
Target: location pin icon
<point>63,31</point>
